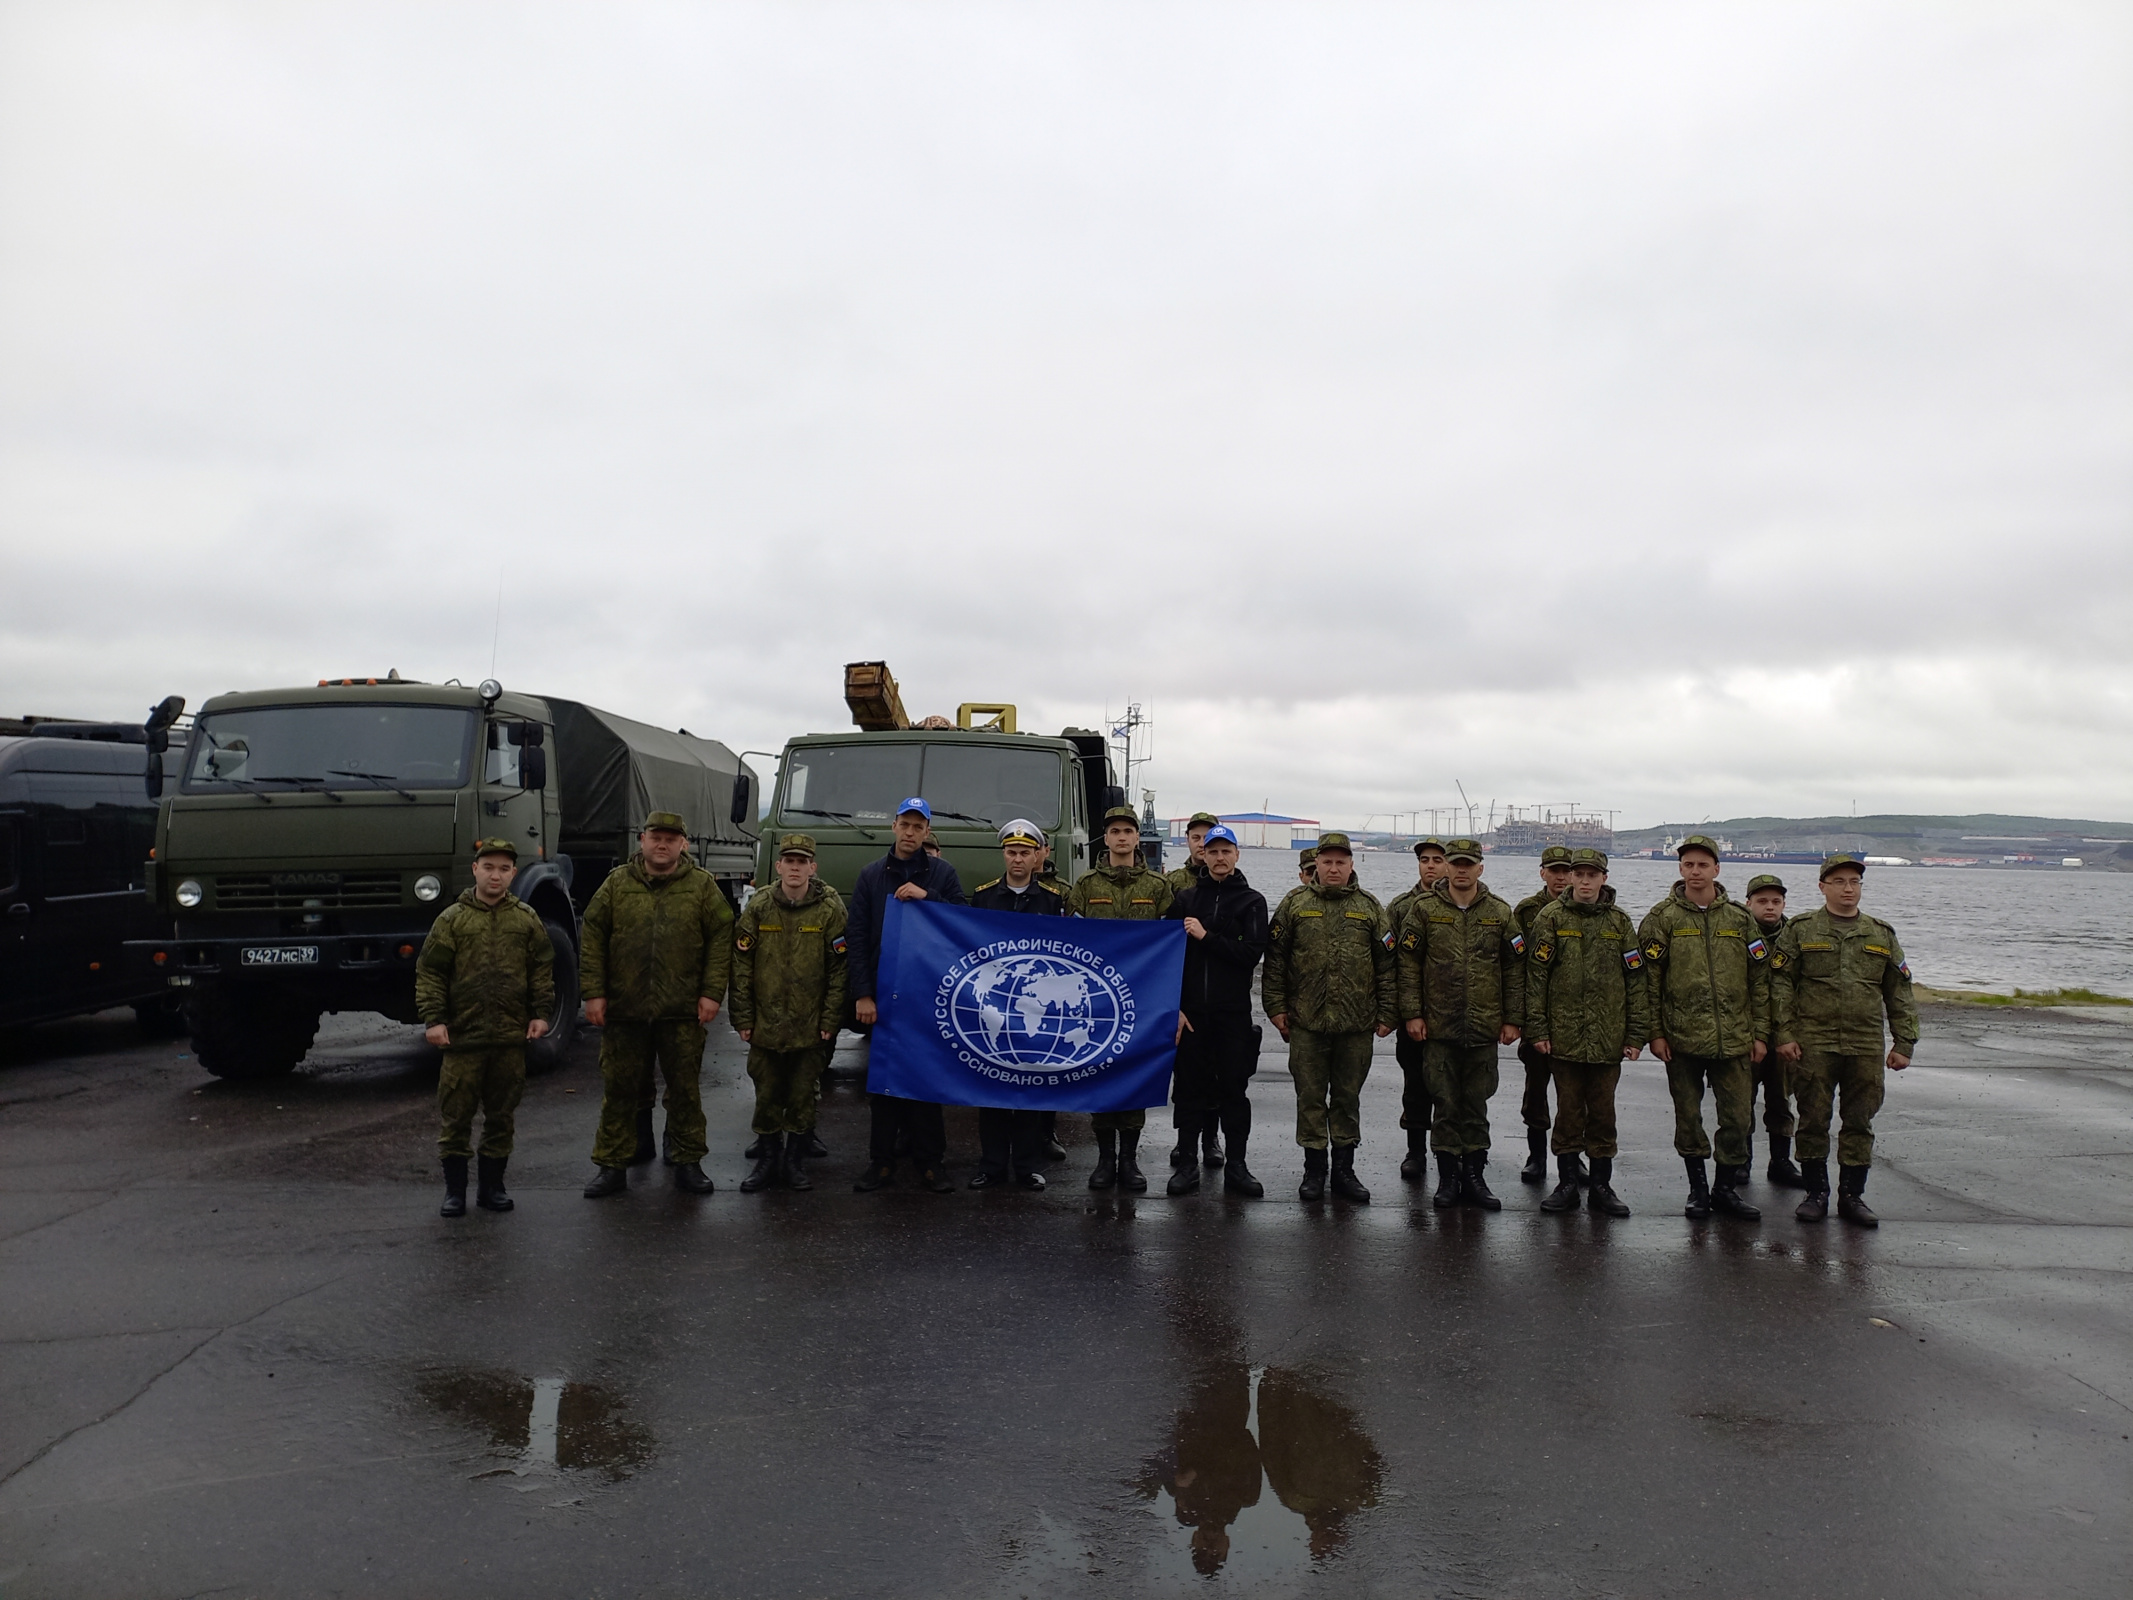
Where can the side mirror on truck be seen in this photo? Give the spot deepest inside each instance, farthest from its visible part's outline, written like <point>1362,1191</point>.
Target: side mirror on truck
<point>743,799</point>
<point>160,717</point>
<point>532,740</point>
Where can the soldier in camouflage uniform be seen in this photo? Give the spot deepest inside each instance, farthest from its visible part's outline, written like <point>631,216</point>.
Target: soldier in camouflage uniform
<point>811,1146</point>
<point>1413,1054</point>
<point>1462,988</point>
<point>1838,973</point>
<point>1195,868</point>
<point>484,985</point>
<point>657,954</point>
<point>1533,1105</point>
<point>1328,988</point>
<point>1588,1008</point>
<point>788,996</point>
<point>1765,900</point>
<point>1123,888</point>
<point>1709,968</point>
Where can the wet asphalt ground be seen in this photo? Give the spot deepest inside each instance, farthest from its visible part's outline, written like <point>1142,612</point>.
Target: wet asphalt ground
<point>240,1354</point>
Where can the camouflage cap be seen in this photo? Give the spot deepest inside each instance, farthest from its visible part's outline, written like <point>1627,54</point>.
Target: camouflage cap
<point>1700,841</point>
<point>1463,850</point>
<point>664,822</point>
<point>495,847</point>
<point>1431,843</point>
<point>1556,855</point>
<point>1838,860</point>
<point>796,844</point>
<point>1765,880</point>
<point>1123,814</point>
<point>1202,819</point>
<point>1587,858</point>
<point>1307,858</point>
<point>1335,841</point>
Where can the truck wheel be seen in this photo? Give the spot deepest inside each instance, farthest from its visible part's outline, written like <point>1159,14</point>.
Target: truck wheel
<point>240,1039</point>
<point>161,1018</point>
<point>547,1052</point>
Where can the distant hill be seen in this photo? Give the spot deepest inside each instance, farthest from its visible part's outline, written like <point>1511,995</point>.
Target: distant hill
<point>1987,834</point>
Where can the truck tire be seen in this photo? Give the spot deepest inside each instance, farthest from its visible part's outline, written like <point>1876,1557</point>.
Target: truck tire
<point>239,1038</point>
<point>161,1018</point>
<point>548,1052</point>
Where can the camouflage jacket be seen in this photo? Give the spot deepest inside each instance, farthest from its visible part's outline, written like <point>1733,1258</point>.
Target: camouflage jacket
<point>788,968</point>
<point>1709,972</point>
<point>485,972</point>
<point>654,945</point>
<point>1133,893</point>
<point>1182,878</point>
<point>1586,997</point>
<point>1462,972</point>
<point>1834,980</point>
<point>1530,907</point>
<point>1329,961</point>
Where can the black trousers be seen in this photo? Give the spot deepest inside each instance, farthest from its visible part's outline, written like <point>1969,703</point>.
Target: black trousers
<point>1216,1061</point>
<point>1009,1140</point>
<point>919,1125</point>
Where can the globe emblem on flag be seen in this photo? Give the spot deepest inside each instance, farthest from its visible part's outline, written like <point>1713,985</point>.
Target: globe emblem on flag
<point>1037,1012</point>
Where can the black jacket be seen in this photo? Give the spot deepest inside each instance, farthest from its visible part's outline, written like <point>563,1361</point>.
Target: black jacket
<point>877,886</point>
<point>1039,899</point>
<point>1218,968</point>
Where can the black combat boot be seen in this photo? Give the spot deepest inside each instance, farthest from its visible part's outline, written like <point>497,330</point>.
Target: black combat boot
<point>754,1152</point>
<point>1106,1174</point>
<point>1211,1140</point>
<point>1782,1173</point>
<point>1851,1197</point>
<point>1236,1176</point>
<point>647,1141</point>
<point>934,1181</point>
<point>607,1181</point>
<point>1188,1146</point>
<point>1129,1161</point>
<point>1699,1201</point>
<point>1536,1167</point>
<point>1814,1178</point>
<point>1314,1185</point>
<point>1726,1195</point>
<point>690,1178</point>
<point>489,1191</point>
<point>770,1154</point>
<point>1415,1165</point>
<point>1601,1195</point>
<point>794,1173</point>
<point>812,1147</point>
<point>1185,1174</point>
<point>878,1175</point>
<point>1345,1183</point>
<point>1477,1186</point>
<point>1449,1181</point>
<point>1564,1196</point>
<point>455,1187</point>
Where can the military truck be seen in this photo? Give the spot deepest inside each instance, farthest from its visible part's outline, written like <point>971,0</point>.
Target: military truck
<point>314,834</point>
<point>976,773</point>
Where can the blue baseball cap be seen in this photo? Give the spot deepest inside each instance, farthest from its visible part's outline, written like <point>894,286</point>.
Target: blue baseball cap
<point>1219,832</point>
<point>918,805</point>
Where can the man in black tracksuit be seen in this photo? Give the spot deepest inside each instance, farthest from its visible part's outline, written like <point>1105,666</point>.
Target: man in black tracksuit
<point>905,873</point>
<point>1011,1143</point>
<point>1226,926</point>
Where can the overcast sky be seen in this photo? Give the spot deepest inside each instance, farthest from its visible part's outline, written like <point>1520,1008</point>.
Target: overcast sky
<point>1687,410</point>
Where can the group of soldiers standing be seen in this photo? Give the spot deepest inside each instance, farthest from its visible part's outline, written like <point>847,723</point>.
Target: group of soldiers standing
<point>1731,997</point>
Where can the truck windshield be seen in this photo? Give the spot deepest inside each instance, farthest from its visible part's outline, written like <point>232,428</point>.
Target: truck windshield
<point>966,784</point>
<point>272,747</point>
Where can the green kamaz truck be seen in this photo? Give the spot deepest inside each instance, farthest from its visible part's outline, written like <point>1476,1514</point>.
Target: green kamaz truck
<point>976,773</point>
<point>314,834</point>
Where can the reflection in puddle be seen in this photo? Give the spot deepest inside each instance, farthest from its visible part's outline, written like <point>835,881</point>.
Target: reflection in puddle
<point>545,1422</point>
<point>1243,1426</point>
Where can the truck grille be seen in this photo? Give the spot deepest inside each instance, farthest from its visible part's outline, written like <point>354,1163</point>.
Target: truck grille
<point>261,892</point>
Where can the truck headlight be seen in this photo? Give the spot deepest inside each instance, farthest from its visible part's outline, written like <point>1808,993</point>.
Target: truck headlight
<point>426,887</point>
<point>190,893</point>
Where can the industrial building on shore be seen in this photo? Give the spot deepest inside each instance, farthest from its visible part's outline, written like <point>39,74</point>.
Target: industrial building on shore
<point>1260,830</point>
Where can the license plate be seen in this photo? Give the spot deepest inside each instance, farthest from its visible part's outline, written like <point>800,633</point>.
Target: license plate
<point>281,955</point>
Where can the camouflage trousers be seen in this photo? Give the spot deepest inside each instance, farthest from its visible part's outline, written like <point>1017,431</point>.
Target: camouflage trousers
<point>788,1083</point>
<point>1819,1077</point>
<point>1585,1108</point>
<point>1415,1100</point>
<point>1774,1078</point>
<point>490,1079</point>
<point>1135,1119</point>
<point>1540,1072</point>
<point>1329,1069</point>
<point>1732,1084</point>
<point>629,1054</point>
<point>1463,1079</point>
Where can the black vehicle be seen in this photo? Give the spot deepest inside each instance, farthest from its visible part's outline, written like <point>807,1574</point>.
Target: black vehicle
<point>76,825</point>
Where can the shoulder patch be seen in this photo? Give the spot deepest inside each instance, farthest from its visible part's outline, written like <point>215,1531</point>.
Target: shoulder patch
<point>1518,942</point>
<point>1878,949</point>
<point>1655,951</point>
<point>1411,940</point>
<point>744,943</point>
<point>987,884</point>
<point>1904,967</point>
<point>1757,950</point>
<point>1633,958</point>
<point>1777,962</point>
<point>837,944</point>
<point>1544,951</point>
<point>1385,938</point>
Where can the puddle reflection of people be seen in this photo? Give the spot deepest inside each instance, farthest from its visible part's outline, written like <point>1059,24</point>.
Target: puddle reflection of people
<point>1318,1459</point>
<point>1213,1472</point>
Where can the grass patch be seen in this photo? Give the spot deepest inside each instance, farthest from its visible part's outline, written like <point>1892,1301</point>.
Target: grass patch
<point>2023,997</point>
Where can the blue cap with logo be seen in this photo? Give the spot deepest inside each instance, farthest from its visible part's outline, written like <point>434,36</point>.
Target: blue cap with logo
<point>918,805</point>
<point>1219,834</point>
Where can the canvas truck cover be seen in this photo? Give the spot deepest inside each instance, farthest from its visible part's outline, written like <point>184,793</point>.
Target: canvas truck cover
<point>613,772</point>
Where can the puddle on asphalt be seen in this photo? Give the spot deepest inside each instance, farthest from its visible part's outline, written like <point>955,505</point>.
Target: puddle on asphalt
<point>546,1423</point>
<point>1264,1471</point>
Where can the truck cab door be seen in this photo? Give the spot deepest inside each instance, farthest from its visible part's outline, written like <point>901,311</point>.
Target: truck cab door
<point>509,809</point>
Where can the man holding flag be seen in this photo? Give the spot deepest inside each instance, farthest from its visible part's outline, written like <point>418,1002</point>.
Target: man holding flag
<point>1010,1142</point>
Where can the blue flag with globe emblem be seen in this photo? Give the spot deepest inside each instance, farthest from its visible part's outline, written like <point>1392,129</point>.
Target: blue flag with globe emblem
<point>987,1008</point>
